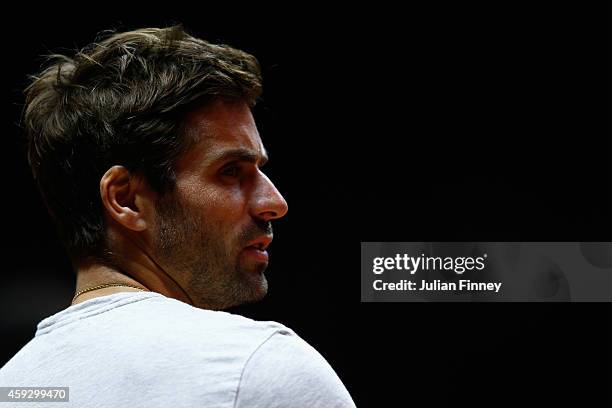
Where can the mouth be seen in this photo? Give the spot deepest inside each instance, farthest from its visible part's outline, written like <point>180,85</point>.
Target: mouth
<point>256,249</point>
<point>260,243</point>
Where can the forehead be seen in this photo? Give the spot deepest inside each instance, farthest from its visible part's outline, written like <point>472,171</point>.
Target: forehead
<point>217,128</point>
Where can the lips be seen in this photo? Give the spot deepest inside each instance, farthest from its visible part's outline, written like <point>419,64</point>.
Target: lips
<point>260,243</point>
<point>260,255</point>
<point>256,249</point>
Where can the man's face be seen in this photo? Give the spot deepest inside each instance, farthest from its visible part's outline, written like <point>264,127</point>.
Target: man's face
<point>222,204</point>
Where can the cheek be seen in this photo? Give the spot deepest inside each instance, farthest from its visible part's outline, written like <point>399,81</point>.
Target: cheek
<point>219,203</point>
<point>212,199</point>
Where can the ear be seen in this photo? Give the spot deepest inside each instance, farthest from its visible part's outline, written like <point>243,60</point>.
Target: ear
<point>120,191</point>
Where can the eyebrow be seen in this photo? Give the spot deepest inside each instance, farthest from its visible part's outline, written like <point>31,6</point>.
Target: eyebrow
<point>240,154</point>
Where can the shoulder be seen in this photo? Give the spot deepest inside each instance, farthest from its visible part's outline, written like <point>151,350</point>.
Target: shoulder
<point>176,322</point>
<point>287,370</point>
<point>164,312</point>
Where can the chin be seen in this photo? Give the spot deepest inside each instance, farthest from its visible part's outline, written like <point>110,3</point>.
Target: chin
<point>253,291</point>
<point>247,291</point>
<point>259,289</point>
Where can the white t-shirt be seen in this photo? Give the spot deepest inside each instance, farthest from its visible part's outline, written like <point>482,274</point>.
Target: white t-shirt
<point>143,349</point>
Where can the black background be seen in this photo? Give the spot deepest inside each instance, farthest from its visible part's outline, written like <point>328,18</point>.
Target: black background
<point>382,125</point>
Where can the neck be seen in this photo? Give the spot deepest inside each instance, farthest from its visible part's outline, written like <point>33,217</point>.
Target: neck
<point>134,267</point>
<point>147,277</point>
<point>94,275</point>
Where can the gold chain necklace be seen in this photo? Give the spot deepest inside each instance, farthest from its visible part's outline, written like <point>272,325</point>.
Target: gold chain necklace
<point>106,285</point>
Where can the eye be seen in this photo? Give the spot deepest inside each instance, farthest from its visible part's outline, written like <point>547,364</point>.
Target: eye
<point>232,170</point>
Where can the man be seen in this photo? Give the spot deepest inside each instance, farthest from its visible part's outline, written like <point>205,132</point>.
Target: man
<point>146,154</point>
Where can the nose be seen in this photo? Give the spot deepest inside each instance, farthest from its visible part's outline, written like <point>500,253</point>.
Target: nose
<point>268,204</point>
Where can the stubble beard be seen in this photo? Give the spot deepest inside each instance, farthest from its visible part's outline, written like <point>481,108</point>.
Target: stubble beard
<point>205,266</point>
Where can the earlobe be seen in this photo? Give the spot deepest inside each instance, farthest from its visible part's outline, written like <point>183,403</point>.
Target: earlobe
<point>118,189</point>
